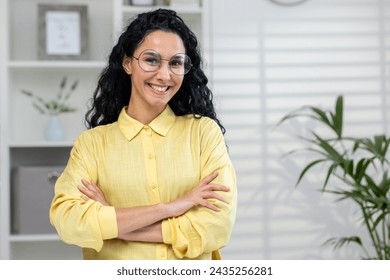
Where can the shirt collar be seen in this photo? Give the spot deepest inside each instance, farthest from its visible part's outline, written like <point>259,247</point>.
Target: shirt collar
<point>131,127</point>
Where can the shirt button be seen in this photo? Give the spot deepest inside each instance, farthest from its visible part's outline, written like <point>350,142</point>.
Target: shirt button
<point>151,156</point>
<point>154,186</point>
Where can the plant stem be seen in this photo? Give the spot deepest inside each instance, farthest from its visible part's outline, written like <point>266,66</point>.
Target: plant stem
<point>372,232</point>
<point>386,235</point>
<point>384,245</point>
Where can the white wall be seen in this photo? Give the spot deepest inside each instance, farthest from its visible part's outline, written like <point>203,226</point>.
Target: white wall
<point>269,60</point>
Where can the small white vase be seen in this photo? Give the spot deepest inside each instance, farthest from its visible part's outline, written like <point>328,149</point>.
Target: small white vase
<point>54,131</point>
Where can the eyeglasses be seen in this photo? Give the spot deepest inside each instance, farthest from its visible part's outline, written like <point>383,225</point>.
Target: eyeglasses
<point>150,61</point>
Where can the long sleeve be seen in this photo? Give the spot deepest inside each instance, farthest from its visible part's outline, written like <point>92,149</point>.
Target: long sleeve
<point>79,222</point>
<point>139,165</point>
<point>201,230</point>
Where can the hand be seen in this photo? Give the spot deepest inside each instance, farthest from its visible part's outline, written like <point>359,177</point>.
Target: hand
<point>92,191</point>
<point>199,196</point>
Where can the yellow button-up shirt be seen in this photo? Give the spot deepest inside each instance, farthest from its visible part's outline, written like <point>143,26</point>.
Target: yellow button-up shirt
<point>135,165</point>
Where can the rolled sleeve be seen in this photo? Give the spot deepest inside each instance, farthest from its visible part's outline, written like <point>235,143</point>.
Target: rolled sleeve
<point>201,230</point>
<point>108,227</point>
<point>83,223</point>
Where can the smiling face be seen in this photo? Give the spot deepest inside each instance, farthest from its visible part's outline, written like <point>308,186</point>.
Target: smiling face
<point>151,91</point>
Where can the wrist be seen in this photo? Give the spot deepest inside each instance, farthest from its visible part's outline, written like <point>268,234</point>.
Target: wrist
<point>166,210</point>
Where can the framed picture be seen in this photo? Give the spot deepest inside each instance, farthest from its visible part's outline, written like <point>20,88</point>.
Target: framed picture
<point>62,32</point>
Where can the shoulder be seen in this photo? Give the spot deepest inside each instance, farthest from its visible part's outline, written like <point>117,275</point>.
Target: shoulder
<point>95,135</point>
<point>200,126</point>
<point>200,122</point>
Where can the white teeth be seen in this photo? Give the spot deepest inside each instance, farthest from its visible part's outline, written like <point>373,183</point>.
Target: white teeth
<point>157,88</point>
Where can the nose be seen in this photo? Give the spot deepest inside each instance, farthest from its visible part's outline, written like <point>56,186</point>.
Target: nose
<point>164,72</point>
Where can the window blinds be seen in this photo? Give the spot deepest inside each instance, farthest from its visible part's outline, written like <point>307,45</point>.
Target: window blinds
<point>267,60</point>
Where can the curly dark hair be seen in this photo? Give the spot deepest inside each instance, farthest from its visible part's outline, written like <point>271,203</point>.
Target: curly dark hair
<point>113,90</point>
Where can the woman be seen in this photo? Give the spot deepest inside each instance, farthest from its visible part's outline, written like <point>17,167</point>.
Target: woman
<point>151,178</point>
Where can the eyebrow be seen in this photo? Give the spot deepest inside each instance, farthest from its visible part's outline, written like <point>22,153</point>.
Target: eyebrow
<point>150,52</point>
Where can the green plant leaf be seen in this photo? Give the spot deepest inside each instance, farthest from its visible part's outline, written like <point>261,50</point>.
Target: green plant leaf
<point>310,165</point>
<point>63,83</point>
<point>378,146</point>
<point>331,152</point>
<point>329,173</point>
<point>321,116</point>
<point>338,117</point>
<point>57,105</point>
<point>380,219</point>
<point>361,168</point>
<point>340,242</point>
<point>294,114</point>
<point>372,186</point>
<point>39,108</point>
<point>26,92</point>
<point>348,165</point>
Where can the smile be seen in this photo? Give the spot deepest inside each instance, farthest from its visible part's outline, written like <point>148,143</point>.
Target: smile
<point>158,88</point>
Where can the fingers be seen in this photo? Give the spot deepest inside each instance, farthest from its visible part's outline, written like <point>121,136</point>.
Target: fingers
<point>86,198</point>
<point>89,190</point>
<point>218,197</point>
<point>86,194</point>
<point>210,190</point>
<point>211,206</point>
<point>88,185</point>
<point>209,193</point>
<point>208,202</point>
<point>207,180</point>
<point>215,187</point>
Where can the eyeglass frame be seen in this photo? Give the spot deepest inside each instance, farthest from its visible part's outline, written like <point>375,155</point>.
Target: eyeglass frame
<point>162,59</point>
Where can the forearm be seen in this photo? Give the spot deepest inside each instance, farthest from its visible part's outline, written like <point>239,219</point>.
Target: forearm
<point>130,220</point>
<point>151,233</point>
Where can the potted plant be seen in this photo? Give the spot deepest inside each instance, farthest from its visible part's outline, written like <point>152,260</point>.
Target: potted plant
<point>361,167</point>
<point>54,107</point>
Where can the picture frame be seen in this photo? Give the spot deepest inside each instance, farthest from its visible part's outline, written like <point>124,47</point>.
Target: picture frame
<point>62,32</point>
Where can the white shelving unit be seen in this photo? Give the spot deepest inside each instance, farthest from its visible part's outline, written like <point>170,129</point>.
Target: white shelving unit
<point>21,127</point>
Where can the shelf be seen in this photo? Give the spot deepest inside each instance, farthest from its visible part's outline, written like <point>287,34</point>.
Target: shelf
<point>34,237</point>
<point>23,142</point>
<point>42,144</point>
<point>56,64</point>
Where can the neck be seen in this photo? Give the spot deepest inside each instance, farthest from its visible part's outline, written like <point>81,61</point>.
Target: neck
<point>144,116</point>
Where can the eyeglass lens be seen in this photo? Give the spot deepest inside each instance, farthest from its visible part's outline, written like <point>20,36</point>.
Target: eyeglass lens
<point>150,61</point>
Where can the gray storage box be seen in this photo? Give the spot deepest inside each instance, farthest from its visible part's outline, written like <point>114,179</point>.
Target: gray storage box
<point>32,194</point>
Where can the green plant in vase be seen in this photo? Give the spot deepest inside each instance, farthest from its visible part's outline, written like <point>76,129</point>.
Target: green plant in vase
<point>361,166</point>
<point>53,107</point>
<point>58,104</point>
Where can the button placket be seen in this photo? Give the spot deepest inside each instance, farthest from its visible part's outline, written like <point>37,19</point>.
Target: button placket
<point>162,253</point>
<point>150,164</point>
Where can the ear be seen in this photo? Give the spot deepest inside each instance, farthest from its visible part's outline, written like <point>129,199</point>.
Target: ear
<point>126,64</point>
